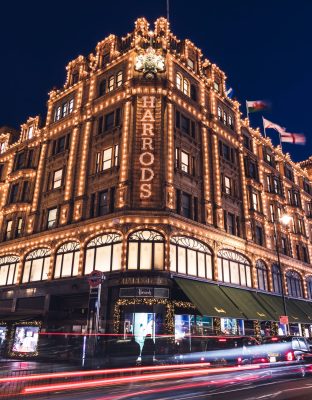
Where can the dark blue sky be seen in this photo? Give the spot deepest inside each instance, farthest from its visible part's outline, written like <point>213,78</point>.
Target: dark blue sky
<point>264,48</point>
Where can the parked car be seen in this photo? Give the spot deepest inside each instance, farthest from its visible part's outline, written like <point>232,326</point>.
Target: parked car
<point>287,348</point>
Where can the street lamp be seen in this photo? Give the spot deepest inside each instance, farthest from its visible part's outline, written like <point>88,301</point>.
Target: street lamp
<point>284,219</point>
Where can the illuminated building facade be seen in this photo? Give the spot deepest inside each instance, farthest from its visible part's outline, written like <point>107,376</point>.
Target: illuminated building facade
<point>144,169</point>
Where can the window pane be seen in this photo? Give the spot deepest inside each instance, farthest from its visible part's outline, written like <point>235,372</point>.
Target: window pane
<point>209,272</point>
<point>159,255</point>
<point>46,268</point>
<point>226,271</point>
<point>234,272</point>
<point>173,260</point>
<point>89,261</point>
<point>191,262</point>
<point>103,258</point>
<point>201,265</point>
<point>76,263</point>
<point>248,274</point>
<point>242,274</point>
<point>116,256</point>
<point>3,274</point>
<point>67,264</point>
<point>58,263</point>
<point>26,271</point>
<point>133,256</point>
<point>11,274</point>
<point>220,273</point>
<point>146,256</point>
<point>36,270</point>
<point>181,260</point>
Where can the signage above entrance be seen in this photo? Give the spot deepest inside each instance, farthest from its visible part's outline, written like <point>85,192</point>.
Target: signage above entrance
<point>144,292</point>
<point>95,278</point>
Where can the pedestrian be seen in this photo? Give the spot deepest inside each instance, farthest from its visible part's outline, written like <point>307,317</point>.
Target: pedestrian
<point>148,350</point>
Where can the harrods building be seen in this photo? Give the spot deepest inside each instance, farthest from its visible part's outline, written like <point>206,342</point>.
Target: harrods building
<point>144,169</point>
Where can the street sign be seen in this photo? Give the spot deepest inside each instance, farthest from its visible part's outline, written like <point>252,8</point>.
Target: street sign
<point>283,319</point>
<point>95,278</point>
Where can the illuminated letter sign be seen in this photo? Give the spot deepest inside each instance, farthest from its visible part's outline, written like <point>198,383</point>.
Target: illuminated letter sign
<point>147,156</point>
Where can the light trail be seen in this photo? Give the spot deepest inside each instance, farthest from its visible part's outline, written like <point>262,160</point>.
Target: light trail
<point>116,381</point>
<point>56,375</point>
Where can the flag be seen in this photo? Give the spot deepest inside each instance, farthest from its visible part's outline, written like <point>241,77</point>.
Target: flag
<point>294,138</point>
<point>287,137</point>
<point>271,125</point>
<point>229,92</point>
<point>256,105</point>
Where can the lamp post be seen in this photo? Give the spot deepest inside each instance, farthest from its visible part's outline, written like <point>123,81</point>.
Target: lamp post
<point>284,219</point>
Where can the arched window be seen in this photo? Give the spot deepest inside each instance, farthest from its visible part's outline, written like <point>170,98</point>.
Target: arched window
<point>276,279</point>
<point>146,250</point>
<point>294,283</point>
<point>262,275</point>
<point>104,253</point>
<point>37,265</point>
<point>234,268</point>
<point>8,270</point>
<point>186,87</point>
<point>119,79</point>
<point>189,256</point>
<point>309,286</point>
<point>179,81</point>
<point>67,260</point>
<point>102,87</point>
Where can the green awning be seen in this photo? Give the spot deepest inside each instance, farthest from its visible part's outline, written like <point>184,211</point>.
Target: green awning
<point>274,304</point>
<point>304,307</point>
<point>209,299</point>
<point>246,301</point>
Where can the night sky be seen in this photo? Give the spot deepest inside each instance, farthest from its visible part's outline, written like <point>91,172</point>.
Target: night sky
<point>264,47</point>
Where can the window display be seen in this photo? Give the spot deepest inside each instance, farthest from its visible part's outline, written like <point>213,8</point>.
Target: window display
<point>25,339</point>
<point>231,326</point>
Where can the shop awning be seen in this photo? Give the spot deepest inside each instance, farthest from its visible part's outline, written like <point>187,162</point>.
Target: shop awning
<point>305,307</point>
<point>209,299</point>
<point>247,302</point>
<point>276,308</point>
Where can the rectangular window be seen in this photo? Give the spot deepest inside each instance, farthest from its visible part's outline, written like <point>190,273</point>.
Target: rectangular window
<point>57,178</point>
<point>52,218</point>
<point>2,147</point>
<point>111,83</point>
<point>186,205</point>
<point>19,227</point>
<point>1,171</point>
<point>190,63</point>
<point>276,184</point>
<point>103,203</point>
<point>284,245</point>
<point>60,145</point>
<point>216,86</point>
<point>9,232</point>
<point>119,79</point>
<point>14,193</point>
<point>25,191</point>
<point>255,202</point>
<point>20,160</point>
<point>116,151</point>
<point>272,213</point>
<point>185,162</point>
<point>227,185</point>
<point>231,224</point>
<point>30,132</point>
<point>97,162</point>
<point>71,106</point>
<point>100,125</point>
<point>185,124</point>
<point>107,159</point>
<point>109,121</point>
<point>259,235</point>
<point>117,117</point>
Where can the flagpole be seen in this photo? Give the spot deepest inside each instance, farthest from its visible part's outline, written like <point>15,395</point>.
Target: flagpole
<point>280,139</point>
<point>168,10</point>
<point>265,135</point>
<point>247,111</point>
